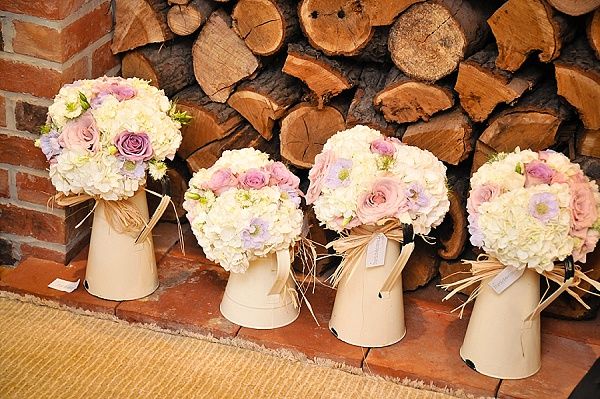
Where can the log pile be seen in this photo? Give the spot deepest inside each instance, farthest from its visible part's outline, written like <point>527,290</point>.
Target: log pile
<point>464,79</point>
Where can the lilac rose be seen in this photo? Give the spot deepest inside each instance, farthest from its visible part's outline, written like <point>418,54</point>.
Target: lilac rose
<point>537,172</point>
<point>221,181</point>
<point>254,179</point>
<point>134,146</point>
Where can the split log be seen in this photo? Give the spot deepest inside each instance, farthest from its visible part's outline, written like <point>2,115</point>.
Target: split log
<point>422,266</point>
<point>362,111</point>
<point>210,121</point>
<point>266,98</point>
<point>168,66</point>
<point>593,32</point>
<point>186,19</point>
<point>481,85</point>
<point>178,2</point>
<point>539,113</point>
<point>265,25</point>
<point>384,12</point>
<point>575,7</point>
<point>243,137</point>
<point>449,136</point>
<point>429,39</point>
<point>588,143</point>
<point>305,130</point>
<point>139,22</point>
<point>336,27</point>
<point>453,233</point>
<point>221,58</point>
<point>578,78</point>
<point>325,77</point>
<point>407,100</point>
<point>524,26</point>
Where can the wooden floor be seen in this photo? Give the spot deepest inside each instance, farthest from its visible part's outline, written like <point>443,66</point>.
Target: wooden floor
<point>191,288</point>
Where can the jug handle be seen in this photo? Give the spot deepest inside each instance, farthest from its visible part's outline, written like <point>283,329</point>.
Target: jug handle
<point>283,272</point>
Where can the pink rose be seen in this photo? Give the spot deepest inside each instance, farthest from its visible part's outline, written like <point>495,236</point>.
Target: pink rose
<point>221,181</point>
<point>583,205</point>
<point>318,174</point>
<point>254,179</point>
<point>386,199</point>
<point>559,178</point>
<point>589,243</point>
<point>134,146</point>
<point>537,172</point>
<point>484,193</point>
<point>280,176</point>
<point>383,147</point>
<point>80,133</point>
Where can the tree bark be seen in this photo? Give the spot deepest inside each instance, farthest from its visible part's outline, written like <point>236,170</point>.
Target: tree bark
<point>221,58</point>
<point>266,99</point>
<point>168,66</point>
<point>304,131</point>
<point>336,27</point>
<point>210,121</point>
<point>588,143</point>
<point>139,22</point>
<point>429,39</point>
<point>325,77</point>
<point>407,100</point>
<point>575,7</point>
<point>481,85</point>
<point>578,78</point>
<point>524,26</point>
<point>186,19</point>
<point>453,233</point>
<point>265,25</point>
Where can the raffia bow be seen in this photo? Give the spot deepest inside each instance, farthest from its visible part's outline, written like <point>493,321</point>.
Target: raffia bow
<point>567,276</point>
<point>353,247</point>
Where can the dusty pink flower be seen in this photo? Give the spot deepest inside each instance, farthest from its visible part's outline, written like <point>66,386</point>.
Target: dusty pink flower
<point>583,206</point>
<point>254,179</point>
<point>221,181</point>
<point>386,199</point>
<point>537,172</point>
<point>590,240</point>
<point>80,133</point>
<point>383,147</point>
<point>484,193</point>
<point>317,175</point>
<point>559,178</point>
<point>280,176</point>
<point>134,146</point>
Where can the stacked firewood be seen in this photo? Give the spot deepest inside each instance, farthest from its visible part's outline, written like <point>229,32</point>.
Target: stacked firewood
<point>464,79</point>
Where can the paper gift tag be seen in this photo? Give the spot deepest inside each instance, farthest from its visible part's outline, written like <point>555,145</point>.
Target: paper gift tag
<point>376,250</point>
<point>505,278</point>
<point>64,285</point>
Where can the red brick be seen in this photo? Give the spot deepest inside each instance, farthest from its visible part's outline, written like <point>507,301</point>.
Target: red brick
<point>33,275</point>
<point>29,117</point>
<point>48,9</point>
<point>188,298</point>
<point>4,184</point>
<point>28,250</point>
<point>21,151</point>
<point>193,251</point>
<point>35,189</point>
<point>103,60</point>
<point>43,226</point>
<point>2,111</point>
<point>60,45</point>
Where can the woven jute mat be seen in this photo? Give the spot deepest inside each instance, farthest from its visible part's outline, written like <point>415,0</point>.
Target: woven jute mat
<point>49,352</point>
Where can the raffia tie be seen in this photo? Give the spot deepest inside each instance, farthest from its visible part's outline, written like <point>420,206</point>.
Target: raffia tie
<point>353,247</point>
<point>487,267</point>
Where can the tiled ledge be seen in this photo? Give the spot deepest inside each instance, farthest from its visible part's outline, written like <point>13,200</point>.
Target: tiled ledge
<point>191,290</point>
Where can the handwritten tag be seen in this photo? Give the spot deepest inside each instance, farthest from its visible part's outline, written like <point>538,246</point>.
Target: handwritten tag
<point>505,278</point>
<point>64,285</point>
<point>376,250</point>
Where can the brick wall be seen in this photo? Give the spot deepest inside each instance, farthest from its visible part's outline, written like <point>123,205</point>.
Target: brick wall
<point>43,45</point>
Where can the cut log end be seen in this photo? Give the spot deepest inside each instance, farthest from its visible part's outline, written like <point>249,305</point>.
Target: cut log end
<point>259,110</point>
<point>575,7</point>
<point>593,32</point>
<point>134,64</point>
<point>186,19</point>
<point>260,24</point>
<point>305,130</point>
<point>337,27</point>
<point>384,12</point>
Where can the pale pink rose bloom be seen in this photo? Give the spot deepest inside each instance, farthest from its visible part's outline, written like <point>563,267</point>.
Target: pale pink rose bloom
<point>537,172</point>
<point>484,193</point>
<point>80,133</point>
<point>583,206</point>
<point>318,174</point>
<point>221,181</point>
<point>386,199</point>
<point>280,176</point>
<point>589,243</point>
<point>559,178</point>
<point>254,179</point>
<point>382,146</point>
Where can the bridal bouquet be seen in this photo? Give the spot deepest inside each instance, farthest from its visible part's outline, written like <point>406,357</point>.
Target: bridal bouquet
<point>244,207</point>
<point>362,177</point>
<point>103,135</point>
<point>530,209</point>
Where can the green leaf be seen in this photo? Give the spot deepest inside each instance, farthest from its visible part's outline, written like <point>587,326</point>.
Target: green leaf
<point>519,168</point>
<point>179,116</point>
<point>83,101</point>
<point>45,129</point>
